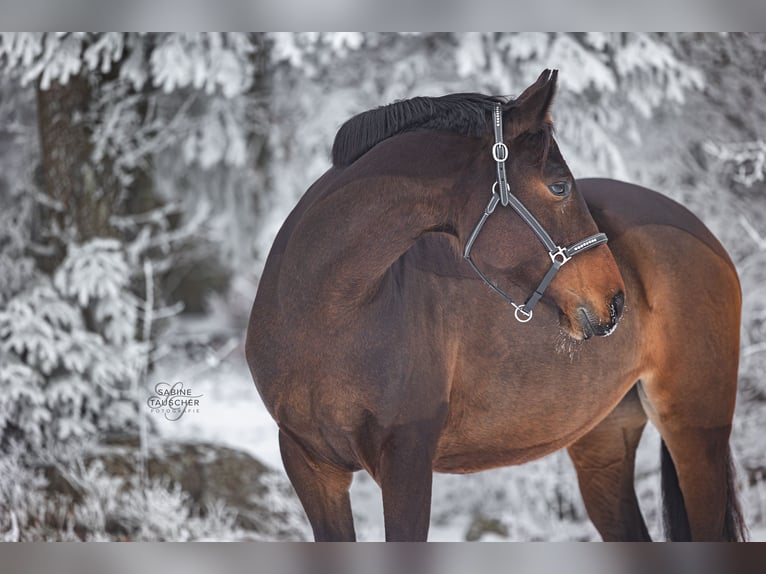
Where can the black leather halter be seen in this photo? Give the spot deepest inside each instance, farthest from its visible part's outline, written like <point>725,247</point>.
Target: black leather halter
<point>501,193</point>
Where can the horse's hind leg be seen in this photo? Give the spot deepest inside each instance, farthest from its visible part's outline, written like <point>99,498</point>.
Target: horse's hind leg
<point>690,398</point>
<point>697,476</point>
<point>605,459</point>
<point>322,490</point>
<point>690,348</point>
<point>689,394</point>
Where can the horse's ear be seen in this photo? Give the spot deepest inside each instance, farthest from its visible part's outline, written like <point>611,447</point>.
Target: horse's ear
<point>531,109</point>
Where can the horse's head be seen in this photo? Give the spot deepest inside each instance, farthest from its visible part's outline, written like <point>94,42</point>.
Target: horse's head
<point>588,291</point>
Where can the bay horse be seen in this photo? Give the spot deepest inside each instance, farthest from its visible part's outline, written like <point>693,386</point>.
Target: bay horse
<point>393,329</point>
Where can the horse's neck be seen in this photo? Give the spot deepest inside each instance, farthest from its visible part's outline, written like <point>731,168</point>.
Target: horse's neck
<point>346,242</point>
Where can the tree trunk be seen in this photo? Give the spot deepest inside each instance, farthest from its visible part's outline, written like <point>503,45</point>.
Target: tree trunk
<point>81,193</point>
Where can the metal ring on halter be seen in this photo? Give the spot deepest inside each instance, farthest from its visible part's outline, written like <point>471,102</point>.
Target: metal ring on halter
<point>559,252</point>
<point>501,146</point>
<point>526,314</point>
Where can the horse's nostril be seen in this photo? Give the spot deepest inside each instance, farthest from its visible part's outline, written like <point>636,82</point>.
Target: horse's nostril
<point>616,306</point>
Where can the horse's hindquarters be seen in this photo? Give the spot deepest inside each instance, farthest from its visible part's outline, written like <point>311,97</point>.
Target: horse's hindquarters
<point>690,391</point>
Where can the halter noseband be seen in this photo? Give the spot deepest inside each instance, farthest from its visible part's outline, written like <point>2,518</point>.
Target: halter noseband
<point>501,194</point>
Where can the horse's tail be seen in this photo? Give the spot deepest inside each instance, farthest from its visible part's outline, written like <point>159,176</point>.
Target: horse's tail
<point>676,521</point>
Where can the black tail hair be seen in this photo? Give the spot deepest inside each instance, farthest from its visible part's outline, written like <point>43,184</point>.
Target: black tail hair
<point>675,519</point>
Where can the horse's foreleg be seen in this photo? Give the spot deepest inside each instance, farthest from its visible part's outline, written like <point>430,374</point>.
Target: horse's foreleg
<point>405,475</point>
<point>605,459</point>
<point>322,490</point>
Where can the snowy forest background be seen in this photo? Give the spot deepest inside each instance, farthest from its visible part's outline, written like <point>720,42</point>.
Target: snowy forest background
<point>143,179</point>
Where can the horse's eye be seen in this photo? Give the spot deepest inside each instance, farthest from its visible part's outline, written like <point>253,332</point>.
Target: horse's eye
<point>560,188</point>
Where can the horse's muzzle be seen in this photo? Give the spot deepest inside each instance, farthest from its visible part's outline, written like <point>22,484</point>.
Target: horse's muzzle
<point>591,325</point>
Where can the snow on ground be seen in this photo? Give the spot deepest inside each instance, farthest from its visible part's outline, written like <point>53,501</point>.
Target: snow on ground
<point>231,411</point>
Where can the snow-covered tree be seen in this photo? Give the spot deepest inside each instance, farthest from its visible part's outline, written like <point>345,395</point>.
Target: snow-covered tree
<point>114,113</point>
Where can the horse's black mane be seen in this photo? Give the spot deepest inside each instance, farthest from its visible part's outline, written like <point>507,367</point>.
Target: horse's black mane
<point>468,114</point>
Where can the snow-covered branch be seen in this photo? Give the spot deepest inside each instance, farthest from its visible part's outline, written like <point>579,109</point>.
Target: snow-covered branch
<point>752,232</point>
<point>747,158</point>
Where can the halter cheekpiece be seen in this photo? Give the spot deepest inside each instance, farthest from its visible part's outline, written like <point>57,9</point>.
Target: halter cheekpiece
<point>501,193</point>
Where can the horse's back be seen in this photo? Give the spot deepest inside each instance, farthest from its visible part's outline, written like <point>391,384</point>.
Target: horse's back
<point>619,207</point>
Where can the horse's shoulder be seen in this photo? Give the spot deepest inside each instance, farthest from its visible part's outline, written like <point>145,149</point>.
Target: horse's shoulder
<point>619,206</point>
<point>320,189</point>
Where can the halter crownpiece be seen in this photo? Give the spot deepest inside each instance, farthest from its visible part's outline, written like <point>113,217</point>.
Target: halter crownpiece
<point>501,193</point>
<point>500,154</point>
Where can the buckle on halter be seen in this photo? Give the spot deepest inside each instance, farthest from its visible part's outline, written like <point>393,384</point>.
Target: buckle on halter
<point>559,256</point>
<point>503,149</point>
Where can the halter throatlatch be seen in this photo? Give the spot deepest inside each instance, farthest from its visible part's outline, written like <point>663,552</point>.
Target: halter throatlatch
<point>501,194</point>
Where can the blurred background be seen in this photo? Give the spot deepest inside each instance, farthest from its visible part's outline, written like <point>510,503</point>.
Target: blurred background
<point>143,178</point>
